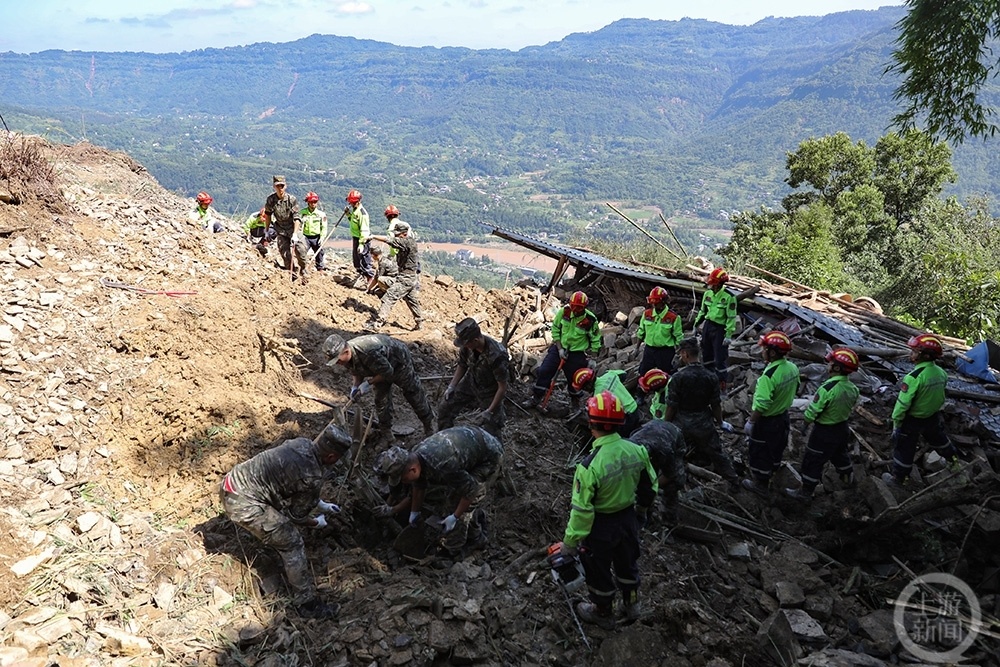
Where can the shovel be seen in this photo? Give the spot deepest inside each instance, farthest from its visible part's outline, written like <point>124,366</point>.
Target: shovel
<point>543,406</point>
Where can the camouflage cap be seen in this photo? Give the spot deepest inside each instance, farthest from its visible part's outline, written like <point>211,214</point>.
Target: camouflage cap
<point>392,463</point>
<point>277,179</point>
<point>466,330</point>
<point>333,440</point>
<point>333,346</point>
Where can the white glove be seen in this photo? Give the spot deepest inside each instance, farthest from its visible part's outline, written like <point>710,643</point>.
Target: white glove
<point>320,521</point>
<point>449,392</point>
<point>449,523</point>
<point>563,353</point>
<point>591,364</point>
<point>364,387</point>
<point>727,341</point>
<point>328,508</point>
<point>727,427</point>
<point>413,518</point>
<point>748,428</point>
<point>384,511</point>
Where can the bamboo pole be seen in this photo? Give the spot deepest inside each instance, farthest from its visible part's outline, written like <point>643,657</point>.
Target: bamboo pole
<point>676,240</point>
<point>650,236</point>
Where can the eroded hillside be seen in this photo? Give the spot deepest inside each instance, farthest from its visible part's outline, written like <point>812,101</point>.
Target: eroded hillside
<point>142,358</point>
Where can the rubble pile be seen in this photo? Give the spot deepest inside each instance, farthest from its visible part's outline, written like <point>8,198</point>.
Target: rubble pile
<point>143,358</point>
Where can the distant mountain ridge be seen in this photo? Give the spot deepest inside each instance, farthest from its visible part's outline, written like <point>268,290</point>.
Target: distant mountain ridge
<point>691,116</point>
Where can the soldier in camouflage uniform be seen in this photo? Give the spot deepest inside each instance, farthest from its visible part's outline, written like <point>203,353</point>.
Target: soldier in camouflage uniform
<point>694,403</point>
<point>385,362</point>
<point>480,379</point>
<point>407,283</point>
<point>280,487</point>
<point>386,271</point>
<point>665,443</point>
<point>451,471</point>
<point>281,214</point>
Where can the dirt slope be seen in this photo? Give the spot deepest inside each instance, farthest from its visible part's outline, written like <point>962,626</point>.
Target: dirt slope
<point>122,410</point>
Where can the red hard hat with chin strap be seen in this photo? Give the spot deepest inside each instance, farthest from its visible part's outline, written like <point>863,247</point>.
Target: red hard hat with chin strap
<point>578,300</point>
<point>204,198</point>
<point>605,408</point>
<point>776,340</point>
<point>718,276</point>
<point>845,357</point>
<point>928,344</point>
<point>353,197</point>
<point>311,197</point>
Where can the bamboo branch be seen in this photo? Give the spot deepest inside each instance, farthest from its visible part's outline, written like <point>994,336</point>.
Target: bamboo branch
<point>650,236</point>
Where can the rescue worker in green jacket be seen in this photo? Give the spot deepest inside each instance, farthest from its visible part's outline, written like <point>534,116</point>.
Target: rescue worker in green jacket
<point>276,490</point>
<point>660,329</point>
<point>314,228</point>
<point>665,444</point>
<point>829,411</point>
<point>918,409</point>
<point>450,472</point>
<point>204,216</point>
<point>654,383</point>
<point>281,215</point>
<point>769,424</point>
<point>361,233</point>
<point>255,231</point>
<point>695,405</point>
<point>587,381</point>
<point>718,312</point>
<point>480,380</point>
<point>613,489</point>
<point>576,333</point>
<point>377,362</point>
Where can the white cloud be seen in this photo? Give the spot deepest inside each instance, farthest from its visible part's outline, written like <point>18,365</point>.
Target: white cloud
<point>355,8</point>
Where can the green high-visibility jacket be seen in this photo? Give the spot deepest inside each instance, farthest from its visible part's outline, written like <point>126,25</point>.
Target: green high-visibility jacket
<point>577,333</point>
<point>719,307</point>
<point>833,402</point>
<point>253,222</point>
<point>660,328</point>
<point>612,381</point>
<point>313,222</point>
<point>922,393</point>
<point>616,475</point>
<point>776,388</point>
<point>360,226</point>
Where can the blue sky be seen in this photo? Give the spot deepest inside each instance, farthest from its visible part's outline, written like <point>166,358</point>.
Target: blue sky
<point>161,26</point>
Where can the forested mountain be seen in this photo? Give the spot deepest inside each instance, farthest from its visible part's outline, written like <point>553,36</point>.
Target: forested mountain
<point>690,116</point>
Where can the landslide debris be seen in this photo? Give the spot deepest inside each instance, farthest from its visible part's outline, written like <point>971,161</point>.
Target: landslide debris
<point>122,406</point>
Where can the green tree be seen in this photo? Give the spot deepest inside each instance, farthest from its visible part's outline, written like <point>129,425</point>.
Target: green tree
<point>944,61</point>
<point>948,276</point>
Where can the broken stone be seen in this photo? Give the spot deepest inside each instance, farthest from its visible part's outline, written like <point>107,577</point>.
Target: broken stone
<point>804,627</point>
<point>879,629</point>
<point>122,643</point>
<point>775,637</point>
<point>740,551</point>
<point>86,521</point>
<point>789,594</point>
<point>819,607</point>
<point>28,565</point>
<point>56,628</point>
<point>876,494</point>
<point>835,657</point>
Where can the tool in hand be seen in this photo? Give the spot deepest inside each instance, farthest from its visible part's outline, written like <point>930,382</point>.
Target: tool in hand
<point>567,572</point>
<point>552,385</point>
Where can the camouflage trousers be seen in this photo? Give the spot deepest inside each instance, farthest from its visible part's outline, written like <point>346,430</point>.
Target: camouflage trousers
<point>275,530</point>
<point>464,399</point>
<point>407,288</point>
<point>408,382</point>
<point>471,525</point>
<point>702,439</point>
<point>285,252</point>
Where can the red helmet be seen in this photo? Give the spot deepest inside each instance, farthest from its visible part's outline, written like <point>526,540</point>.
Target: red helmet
<point>718,276</point>
<point>776,340</point>
<point>353,197</point>
<point>846,357</point>
<point>578,300</point>
<point>653,380</point>
<point>311,197</point>
<point>928,344</point>
<point>605,408</point>
<point>391,211</point>
<point>583,377</point>
<point>204,198</point>
<point>656,295</point>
